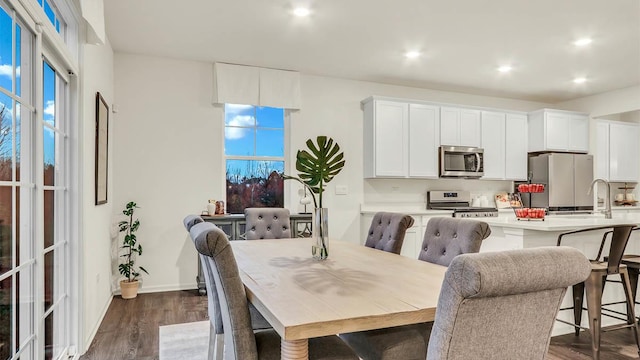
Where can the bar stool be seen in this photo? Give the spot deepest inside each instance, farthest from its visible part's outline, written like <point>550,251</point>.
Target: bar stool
<point>633,267</point>
<point>595,285</point>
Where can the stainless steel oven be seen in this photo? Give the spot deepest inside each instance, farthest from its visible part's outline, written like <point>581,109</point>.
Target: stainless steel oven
<point>461,162</point>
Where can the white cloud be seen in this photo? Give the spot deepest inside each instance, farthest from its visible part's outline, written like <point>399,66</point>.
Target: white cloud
<point>234,133</point>
<point>50,112</point>
<point>7,70</point>
<point>232,110</point>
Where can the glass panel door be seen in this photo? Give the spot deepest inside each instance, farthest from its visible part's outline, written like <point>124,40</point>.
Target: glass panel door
<point>17,256</point>
<point>55,244</point>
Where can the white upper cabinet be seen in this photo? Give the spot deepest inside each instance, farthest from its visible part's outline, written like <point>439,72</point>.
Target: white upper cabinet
<point>386,139</point>
<point>400,139</point>
<point>516,157</point>
<point>557,130</point>
<point>493,143</point>
<point>460,127</point>
<point>505,148</point>
<point>617,149</point>
<point>424,131</point>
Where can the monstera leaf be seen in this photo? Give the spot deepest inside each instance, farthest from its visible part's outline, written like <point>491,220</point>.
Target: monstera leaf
<point>320,164</point>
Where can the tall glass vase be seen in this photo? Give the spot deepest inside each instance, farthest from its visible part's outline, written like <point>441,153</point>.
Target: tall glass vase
<point>320,234</point>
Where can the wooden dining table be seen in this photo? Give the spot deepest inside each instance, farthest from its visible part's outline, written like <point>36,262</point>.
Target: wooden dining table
<point>357,288</point>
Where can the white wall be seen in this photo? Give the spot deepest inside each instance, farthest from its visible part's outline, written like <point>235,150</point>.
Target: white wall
<point>167,158</point>
<point>612,102</point>
<point>168,152</point>
<point>97,76</point>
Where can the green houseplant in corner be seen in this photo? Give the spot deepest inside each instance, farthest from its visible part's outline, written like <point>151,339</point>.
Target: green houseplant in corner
<point>316,167</point>
<point>129,285</point>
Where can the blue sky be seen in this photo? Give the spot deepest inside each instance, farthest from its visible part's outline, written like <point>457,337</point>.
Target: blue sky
<point>253,131</point>
<point>6,78</point>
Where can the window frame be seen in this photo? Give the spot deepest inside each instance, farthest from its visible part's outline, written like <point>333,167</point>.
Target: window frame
<point>285,158</point>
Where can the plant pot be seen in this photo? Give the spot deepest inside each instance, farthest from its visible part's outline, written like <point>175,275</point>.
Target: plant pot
<point>129,290</point>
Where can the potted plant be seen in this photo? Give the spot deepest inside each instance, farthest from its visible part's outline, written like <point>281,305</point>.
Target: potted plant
<point>317,167</point>
<point>129,285</point>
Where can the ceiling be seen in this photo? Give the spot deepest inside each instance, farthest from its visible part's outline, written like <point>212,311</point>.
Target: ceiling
<point>462,42</point>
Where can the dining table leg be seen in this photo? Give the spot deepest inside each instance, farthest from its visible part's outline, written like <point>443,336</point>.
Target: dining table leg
<point>294,349</point>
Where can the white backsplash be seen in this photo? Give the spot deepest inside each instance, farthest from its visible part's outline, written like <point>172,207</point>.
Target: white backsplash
<point>414,191</point>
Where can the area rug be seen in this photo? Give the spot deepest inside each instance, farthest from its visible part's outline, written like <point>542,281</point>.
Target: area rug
<point>184,341</point>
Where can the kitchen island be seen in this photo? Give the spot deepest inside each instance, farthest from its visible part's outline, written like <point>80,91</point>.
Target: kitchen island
<point>509,233</point>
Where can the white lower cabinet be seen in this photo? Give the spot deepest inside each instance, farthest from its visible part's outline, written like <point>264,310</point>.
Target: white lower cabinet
<point>617,149</point>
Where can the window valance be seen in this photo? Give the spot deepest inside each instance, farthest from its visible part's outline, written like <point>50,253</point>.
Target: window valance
<point>249,85</point>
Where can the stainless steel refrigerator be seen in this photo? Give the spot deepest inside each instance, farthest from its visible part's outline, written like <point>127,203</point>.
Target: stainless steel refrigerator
<point>567,178</point>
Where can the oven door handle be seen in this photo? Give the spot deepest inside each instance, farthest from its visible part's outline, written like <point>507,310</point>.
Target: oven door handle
<point>478,165</point>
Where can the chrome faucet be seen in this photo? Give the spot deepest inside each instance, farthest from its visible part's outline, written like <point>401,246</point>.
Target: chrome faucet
<point>607,201</point>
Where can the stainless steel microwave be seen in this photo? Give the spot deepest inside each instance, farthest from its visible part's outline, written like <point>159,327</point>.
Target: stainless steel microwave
<point>461,162</point>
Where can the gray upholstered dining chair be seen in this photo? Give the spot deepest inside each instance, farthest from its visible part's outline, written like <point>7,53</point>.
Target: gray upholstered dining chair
<point>387,231</point>
<point>196,227</point>
<point>267,223</point>
<point>241,342</point>
<point>491,307</point>
<point>444,239</point>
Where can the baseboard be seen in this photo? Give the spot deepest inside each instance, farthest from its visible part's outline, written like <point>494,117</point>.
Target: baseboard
<point>162,288</point>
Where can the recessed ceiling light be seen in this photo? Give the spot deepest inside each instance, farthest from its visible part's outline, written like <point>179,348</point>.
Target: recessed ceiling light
<point>301,11</point>
<point>582,42</point>
<point>412,54</point>
<point>505,69</point>
<point>579,80</point>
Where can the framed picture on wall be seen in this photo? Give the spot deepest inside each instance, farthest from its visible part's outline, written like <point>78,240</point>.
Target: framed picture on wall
<point>102,146</point>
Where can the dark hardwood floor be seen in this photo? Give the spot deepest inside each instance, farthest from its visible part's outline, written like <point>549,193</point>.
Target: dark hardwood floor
<point>130,330</point>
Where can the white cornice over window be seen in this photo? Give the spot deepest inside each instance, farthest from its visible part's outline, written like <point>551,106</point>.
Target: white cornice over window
<point>239,84</point>
<point>93,15</point>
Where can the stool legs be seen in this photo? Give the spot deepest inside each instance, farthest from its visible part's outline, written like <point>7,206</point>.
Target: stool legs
<point>631,316</point>
<point>578,296</point>
<point>633,282</point>
<point>594,302</point>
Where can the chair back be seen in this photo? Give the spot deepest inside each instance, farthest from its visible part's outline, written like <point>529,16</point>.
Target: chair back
<point>503,304</point>
<point>619,239</point>
<point>267,223</point>
<point>196,230</point>
<point>239,339</point>
<point>446,238</point>
<point>387,231</point>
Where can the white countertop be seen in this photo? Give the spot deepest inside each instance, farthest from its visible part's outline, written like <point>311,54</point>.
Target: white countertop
<point>564,222</point>
<point>409,209</point>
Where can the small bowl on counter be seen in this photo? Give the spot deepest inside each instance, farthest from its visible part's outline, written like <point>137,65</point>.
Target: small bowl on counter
<point>530,213</point>
<point>531,188</point>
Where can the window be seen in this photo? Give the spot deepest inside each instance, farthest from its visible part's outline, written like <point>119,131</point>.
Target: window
<point>254,149</point>
<point>52,14</point>
<point>35,219</point>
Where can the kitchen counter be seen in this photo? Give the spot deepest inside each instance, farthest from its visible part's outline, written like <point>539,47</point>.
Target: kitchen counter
<point>564,222</point>
<point>509,233</point>
<point>409,209</point>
